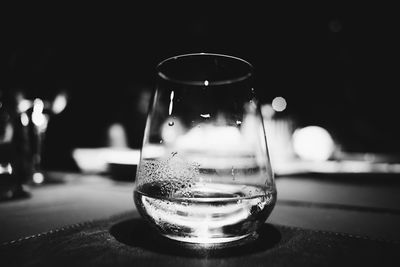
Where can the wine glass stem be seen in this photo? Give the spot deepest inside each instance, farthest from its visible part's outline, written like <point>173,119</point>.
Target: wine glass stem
<point>37,157</point>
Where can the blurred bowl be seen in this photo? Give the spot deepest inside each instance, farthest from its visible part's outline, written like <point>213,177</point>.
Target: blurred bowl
<point>102,160</point>
<point>90,160</point>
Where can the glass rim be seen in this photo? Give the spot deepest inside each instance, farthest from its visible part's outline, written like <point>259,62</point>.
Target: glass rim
<point>205,82</point>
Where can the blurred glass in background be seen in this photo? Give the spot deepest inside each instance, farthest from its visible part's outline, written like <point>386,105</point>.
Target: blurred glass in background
<point>35,113</point>
<point>23,125</point>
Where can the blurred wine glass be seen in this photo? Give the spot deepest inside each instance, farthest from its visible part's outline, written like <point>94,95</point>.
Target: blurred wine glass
<point>34,113</point>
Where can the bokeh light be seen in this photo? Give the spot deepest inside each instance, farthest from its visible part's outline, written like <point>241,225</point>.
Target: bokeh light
<point>313,143</point>
<point>279,104</point>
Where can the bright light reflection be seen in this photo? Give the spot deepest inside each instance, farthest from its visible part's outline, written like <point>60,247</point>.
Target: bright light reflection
<point>38,105</point>
<point>38,119</point>
<point>211,138</point>
<point>37,115</point>
<point>205,227</point>
<point>313,143</point>
<point>24,105</point>
<point>59,104</point>
<point>6,168</point>
<point>128,156</point>
<point>38,178</point>
<point>206,116</point>
<point>279,104</point>
<point>24,119</point>
<point>267,111</point>
<point>171,102</point>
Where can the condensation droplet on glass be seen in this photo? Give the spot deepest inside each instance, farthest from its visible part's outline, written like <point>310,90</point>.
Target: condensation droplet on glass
<point>261,205</point>
<point>161,141</point>
<point>206,116</point>
<point>171,123</point>
<point>238,122</point>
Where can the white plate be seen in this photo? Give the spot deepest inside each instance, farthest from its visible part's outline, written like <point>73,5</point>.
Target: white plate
<point>96,160</point>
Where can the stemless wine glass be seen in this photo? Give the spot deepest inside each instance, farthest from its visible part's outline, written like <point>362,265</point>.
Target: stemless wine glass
<point>204,175</point>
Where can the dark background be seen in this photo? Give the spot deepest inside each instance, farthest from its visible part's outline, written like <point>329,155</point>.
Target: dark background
<point>336,64</point>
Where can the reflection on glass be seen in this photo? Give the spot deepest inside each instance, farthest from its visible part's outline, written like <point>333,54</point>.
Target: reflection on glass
<point>204,174</point>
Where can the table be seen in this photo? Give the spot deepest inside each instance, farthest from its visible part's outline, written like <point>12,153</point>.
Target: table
<point>353,205</point>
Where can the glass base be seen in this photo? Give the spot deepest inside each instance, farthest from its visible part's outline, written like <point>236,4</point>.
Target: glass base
<point>205,240</point>
<point>216,243</point>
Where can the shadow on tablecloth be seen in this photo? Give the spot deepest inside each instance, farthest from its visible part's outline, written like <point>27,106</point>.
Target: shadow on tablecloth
<point>125,240</point>
<point>137,233</point>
